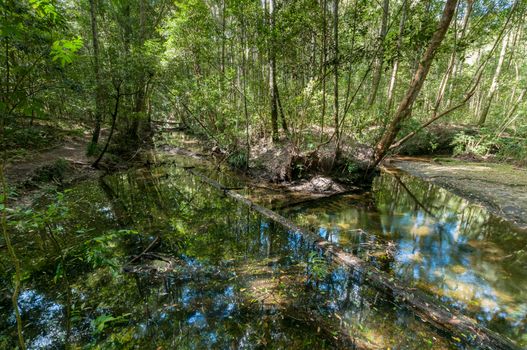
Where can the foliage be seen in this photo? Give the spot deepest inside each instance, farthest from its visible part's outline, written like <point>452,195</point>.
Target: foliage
<point>502,145</point>
<point>238,159</point>
<point>64,50</point>
<point>100,251</point>
<point>318,266</point>
<point>206,64</point>
<point>51,225</point>
<point>105,321</point>
<point>469,144</point>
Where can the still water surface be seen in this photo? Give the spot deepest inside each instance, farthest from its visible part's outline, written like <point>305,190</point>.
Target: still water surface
<point>217,275</point>
<point>455,250</point>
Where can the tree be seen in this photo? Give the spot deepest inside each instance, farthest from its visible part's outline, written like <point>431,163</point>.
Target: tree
<point>380,57</point>
<point>494,84</point>
<point>405,106</point>
<point>96,70</point>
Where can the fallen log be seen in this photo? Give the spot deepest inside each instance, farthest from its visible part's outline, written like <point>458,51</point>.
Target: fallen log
<point>424,306</point>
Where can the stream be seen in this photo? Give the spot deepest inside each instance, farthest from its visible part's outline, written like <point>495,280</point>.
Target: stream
<point>153,258</point>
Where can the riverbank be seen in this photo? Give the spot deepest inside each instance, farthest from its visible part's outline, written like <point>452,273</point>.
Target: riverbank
<point>500,188</point>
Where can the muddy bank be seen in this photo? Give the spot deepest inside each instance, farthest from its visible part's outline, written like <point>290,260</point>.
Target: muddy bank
<point>500,188</point>
<point>60,167</point>
<point>72,152</point>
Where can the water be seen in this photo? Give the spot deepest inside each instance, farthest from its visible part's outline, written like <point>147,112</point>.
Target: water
<point>217,275</point>
<point>153,258</point>
<point>456,251</point>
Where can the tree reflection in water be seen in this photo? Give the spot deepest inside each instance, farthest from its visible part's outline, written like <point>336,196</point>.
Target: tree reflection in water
<point>455,250</point>
<point>218,276</point>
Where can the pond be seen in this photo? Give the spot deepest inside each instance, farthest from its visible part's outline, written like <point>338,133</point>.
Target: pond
<point>153,258</point>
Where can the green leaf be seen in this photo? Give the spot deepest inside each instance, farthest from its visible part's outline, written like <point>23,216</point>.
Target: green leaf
<point>64,50</point>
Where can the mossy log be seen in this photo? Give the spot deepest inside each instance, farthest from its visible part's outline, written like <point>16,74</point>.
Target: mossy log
<point>424,306</point>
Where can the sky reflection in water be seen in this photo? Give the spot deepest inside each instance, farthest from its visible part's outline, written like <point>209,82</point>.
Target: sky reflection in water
<point>445,245</point>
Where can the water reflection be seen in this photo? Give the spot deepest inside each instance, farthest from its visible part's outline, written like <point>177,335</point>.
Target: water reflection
<point>445,245</point>
<point>217,276</point>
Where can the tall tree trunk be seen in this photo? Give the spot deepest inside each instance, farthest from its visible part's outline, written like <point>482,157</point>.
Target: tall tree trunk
<point>323,65</point>
<point>380,56</point>
<point>222,63</point>
<point>393,78</point>
<point>96,69</point>
<point>494,85</point>
<point>448,72</point>
<point>115,113</point>
<point>272,74</point>
<point>405,106</point>
<point>281,109</point>
<point>5,191</point>
<point>223,9</point>
<point>244,88</point>
<point>455,64</point>
<point>336,72</point>
<point>140,95</point>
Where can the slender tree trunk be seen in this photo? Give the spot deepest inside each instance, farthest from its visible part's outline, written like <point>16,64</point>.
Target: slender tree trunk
<point>324,62</point>
<point>422,25</point>
<point>494,85</point>
<point>510,115</point>
<point>393,78</point>
<point>313,60</point>
<point>518,102</point>
<point>455,64</point>
<point>222,63</point>
<point>223,9</point>
<point>96,69</point>
<point>405,106</point>
<point>448,72</point>
<point>112,129</point>
<point>140,95</point>
<point>380,57</point>
<point>244,87</point>
<point>5,195</point>
<point>444,81</point>
<point>336,72</point>
<point>516,83</point>
<point>272,74</point>
<point>281,109</point>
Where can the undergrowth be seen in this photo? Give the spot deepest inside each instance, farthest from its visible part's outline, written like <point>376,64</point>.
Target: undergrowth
<point>509,146</point>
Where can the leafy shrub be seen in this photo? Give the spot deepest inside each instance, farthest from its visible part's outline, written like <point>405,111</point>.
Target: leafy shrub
<point>487,142</point>
<point>469,144</point>
<point>238,159</point>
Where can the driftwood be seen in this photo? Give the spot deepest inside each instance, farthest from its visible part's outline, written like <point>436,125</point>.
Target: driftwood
<point>424,306</point>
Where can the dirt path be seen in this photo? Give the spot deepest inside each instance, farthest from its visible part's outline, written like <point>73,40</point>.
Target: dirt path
<point>72,150</point>
<point>499,187</point>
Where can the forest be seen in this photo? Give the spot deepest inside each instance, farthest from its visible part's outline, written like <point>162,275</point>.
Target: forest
<point>281,174</point>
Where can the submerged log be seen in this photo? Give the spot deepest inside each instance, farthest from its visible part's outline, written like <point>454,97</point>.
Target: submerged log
<point>423,305</point>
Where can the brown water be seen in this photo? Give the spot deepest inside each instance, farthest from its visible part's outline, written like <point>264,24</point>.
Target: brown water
<point>454,250</point>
